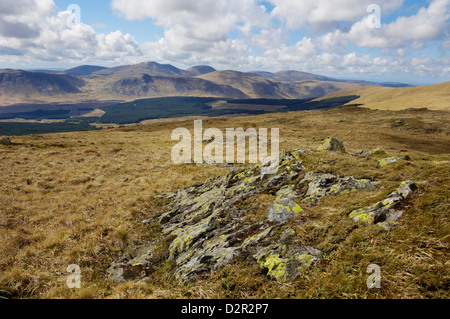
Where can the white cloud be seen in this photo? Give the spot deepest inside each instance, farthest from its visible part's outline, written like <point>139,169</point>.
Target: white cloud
<point>428,24</point>
<point>325,13</point>
<point>201,20</point>
<point>412,32</point>
<point>29,28</point>
<point>21,18</point>
<point>236,34</point>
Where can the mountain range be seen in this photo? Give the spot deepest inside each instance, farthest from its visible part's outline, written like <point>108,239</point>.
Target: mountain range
<point>151,79</point>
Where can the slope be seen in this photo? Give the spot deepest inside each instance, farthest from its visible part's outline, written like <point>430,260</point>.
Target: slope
<point>260,87</point>
<point>24,82</point>
<point>432,97</point>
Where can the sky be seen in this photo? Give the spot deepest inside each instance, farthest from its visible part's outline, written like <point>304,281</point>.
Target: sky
<point>375,40</point>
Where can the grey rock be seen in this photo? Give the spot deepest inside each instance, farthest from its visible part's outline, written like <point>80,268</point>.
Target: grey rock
<point>379,150</point>
<point>332,144</point>
<point>282,210</point>
<point>320,185</point>
<point>390,160</point>
<point>385,213</point>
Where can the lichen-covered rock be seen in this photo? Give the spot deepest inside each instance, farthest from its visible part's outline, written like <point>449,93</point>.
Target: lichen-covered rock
<point>391,220</point>
<point>206,229</point>
<point>379,150</point>
<point>385,212</point>
<point>390,160</point>
<point>284,209</point>
<point>320,185</point>
<point>139,267</point>
<point>286,264</point>
<point>207,226</point>
<point>332,144</point>
<point>288,191</point>
<point>441,162</point>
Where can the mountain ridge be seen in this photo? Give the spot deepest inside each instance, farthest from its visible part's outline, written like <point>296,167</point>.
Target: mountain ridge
<point>152,79</point>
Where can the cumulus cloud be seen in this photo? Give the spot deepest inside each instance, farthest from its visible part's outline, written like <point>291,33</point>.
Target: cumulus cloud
<point>319,36</point>
<point>325,14</point>
<point>21,18</point>
<point>196,25</point>
<point>32,28</point>
<point>414,31</point>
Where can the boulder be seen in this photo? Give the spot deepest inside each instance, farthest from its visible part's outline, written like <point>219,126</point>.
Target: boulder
<point>379,150</point>
<point>332,144</point>
<point>390,160</point>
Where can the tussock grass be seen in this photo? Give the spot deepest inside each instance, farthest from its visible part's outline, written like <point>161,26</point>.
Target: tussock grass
<point>79,198</point>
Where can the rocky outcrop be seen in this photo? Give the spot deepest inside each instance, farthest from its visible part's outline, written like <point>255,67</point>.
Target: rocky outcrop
<point>320,185</point>
<point>385,213</point>
<point>204,227</point>
<point>283,209</point>
<point>207,230</point>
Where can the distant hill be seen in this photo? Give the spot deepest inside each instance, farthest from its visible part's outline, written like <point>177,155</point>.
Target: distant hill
<point>296,76</point>
<point>150,68</point>
<point>260,87</point>
<point>432,97</point>
<point>84,70</point>
<point>291,76</point>
<point>19,82</point>
<point>200,70</point>
<point>159,86</point>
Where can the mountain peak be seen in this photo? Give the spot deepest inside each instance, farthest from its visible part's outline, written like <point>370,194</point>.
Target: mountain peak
<point>200,70</point>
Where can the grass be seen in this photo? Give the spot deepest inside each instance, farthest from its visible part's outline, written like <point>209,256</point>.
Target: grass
<point>80,198</point>
<point>434,97</point>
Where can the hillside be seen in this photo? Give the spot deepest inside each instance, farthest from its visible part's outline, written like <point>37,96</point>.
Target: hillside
<point>297,76</point>
<point>260,87</point>
<point>84,70</point>
<point>113,199</point>
<point>291,76</point>
<point>200,70</point>
<point>18,82</point>
<point>432,97</point>
<point>150,68</point>
<point>158,86</point>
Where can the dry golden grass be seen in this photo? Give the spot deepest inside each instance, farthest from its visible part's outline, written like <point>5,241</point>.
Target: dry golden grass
<point>79,198</point>
<point>432,97</point>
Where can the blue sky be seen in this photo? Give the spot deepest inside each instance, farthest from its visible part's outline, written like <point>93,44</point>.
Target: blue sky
<point>334,38</point>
